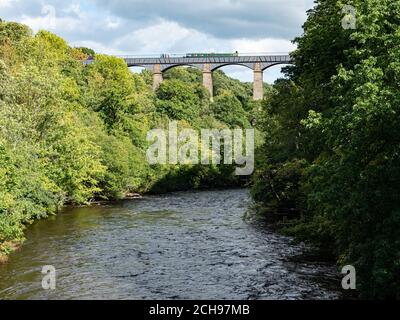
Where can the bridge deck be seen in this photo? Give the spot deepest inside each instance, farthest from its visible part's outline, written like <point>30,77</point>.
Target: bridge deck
<point>215,62</point>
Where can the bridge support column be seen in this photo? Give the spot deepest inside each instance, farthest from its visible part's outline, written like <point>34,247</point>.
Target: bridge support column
<point>207,79</point>
<point>157,76</point>
<point>258,84</point>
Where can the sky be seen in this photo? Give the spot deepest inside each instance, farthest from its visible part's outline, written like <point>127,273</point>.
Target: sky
<point>148,27</point>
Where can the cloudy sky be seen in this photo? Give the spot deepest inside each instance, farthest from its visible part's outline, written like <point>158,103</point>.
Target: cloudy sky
<point>168,26</point>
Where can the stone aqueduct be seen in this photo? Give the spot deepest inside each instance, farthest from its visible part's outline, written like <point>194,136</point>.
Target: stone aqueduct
<point>258,63</point>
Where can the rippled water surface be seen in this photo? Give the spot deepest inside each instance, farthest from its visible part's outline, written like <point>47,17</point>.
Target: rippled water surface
<point>191,245</point>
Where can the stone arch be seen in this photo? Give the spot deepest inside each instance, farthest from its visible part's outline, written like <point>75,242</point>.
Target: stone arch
<point>169,67</point>
<point>139,68</point>
<point>219,66</point>
<point>133,65</point>
<point>265,67</point>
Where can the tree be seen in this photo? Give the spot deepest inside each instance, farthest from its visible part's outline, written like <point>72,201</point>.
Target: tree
<point>338,115</point>
<point>181,101</point>
<point>227,108</point>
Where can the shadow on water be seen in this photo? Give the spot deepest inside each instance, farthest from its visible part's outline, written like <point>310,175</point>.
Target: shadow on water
<point>185,245</point>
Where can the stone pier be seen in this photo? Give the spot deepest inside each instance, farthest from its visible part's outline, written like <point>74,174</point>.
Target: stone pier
<point>258,84</point>
<point>157,76</point>
<point>207,78</point>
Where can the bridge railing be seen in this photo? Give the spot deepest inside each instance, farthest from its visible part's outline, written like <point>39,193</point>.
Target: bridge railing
<point>183,55</point>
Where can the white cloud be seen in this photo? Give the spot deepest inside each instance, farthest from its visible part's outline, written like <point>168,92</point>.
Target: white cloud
<point>170,37</point>
<point>50,21</point>
<point>46,21</point>
<point>178,26</point>
<point>163,36</point>
<point>99,47</point>
<point>263,45</point>
<point>222,18</point>
<point>113,23</point>
<point>5,3</point>
<point>75,9</point>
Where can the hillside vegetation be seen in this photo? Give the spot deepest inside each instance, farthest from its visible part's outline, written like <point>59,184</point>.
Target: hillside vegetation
<point>71,133</point>
<point>332,154</point>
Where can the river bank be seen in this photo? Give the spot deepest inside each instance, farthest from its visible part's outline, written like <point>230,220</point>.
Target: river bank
<point>9,247</point>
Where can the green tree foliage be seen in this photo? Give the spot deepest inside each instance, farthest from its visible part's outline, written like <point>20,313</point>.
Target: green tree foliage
<point>47,153</point>
<point>242,91</point>
<point>187,75</point>
<point>73,133</point>
<point>180,101</point>
<point>227,108</point>
<point>334,124</point>
<point>87,51</point>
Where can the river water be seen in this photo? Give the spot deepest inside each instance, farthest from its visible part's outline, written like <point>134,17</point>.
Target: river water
<point>188,245</point>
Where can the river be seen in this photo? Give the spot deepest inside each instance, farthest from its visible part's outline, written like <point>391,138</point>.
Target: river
<point>186,245</point>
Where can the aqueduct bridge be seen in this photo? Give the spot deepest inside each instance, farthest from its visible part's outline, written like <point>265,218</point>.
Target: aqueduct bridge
<point>258,63</point>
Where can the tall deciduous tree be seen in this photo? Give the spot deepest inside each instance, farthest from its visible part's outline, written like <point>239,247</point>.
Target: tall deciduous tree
<point>338,113</point>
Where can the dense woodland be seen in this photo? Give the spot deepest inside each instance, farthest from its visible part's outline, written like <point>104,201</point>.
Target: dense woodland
<point>75,133</point>
<point>327,135</point>
<point>332,151</point>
